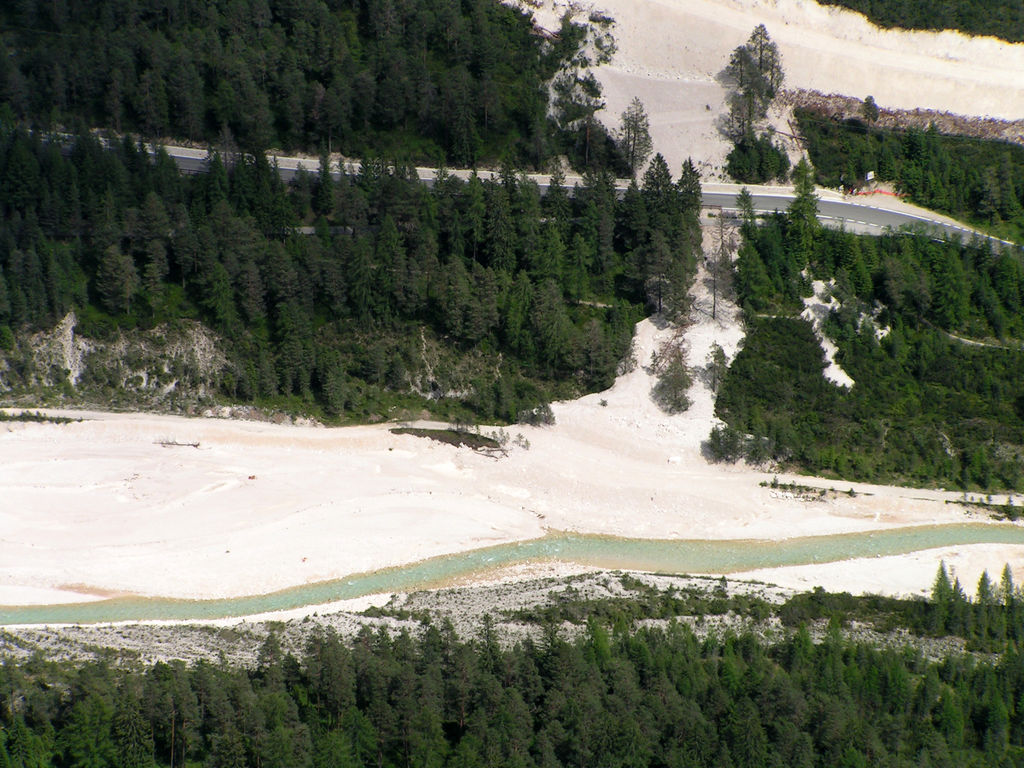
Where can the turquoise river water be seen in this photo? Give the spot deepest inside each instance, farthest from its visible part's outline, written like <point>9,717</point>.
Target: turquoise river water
<point>605,552</point>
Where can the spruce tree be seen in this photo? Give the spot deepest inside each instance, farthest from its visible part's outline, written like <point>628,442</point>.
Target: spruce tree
<point>635,135</point>
<point>117,280</point>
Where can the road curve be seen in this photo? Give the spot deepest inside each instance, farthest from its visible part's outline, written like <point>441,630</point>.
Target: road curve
<point>834,209</point>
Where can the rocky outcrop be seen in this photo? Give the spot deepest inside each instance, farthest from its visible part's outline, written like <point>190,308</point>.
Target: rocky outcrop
<point>174,364</point>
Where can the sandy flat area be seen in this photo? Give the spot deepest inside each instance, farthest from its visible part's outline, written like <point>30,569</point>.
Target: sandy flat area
<point>671,51</point>
<point>910,574</point>
<point>106,506</point>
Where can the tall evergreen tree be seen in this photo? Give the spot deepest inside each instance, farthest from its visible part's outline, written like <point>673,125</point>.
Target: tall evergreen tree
<point>635,135</point>
<point>117,280</point>
<point>802,215</point>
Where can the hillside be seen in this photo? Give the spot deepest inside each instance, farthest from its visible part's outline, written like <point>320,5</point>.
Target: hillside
<point>929,340</point>
<point>428,81</point>
<point>480,298</point>
<point>1003,19</point>
<point>618,330</point>
<point>671,53</point>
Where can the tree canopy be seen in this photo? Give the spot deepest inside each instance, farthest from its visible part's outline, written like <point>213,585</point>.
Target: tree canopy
<point>754,75</point>
<point>631,687</point>
<point>635,135</point>
<point>999,18</point>
<point>432,80</point>
<point>937,398</point>
<point>971,179</point>
<point>524,296</point>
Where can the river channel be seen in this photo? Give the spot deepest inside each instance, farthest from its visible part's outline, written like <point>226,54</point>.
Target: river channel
<point>600,552</point>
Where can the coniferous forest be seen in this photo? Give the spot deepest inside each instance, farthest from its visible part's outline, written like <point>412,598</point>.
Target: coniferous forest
<point>620,694</point>
<point>516,297</point>
<point>430,80</point>
<point>539,293</point>
<point>929,331</point>
<point>999,18</point>
<point>333,295</point>
<point>972,180</point>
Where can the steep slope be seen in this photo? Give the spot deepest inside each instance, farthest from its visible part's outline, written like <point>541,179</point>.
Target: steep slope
<point>670,52</point>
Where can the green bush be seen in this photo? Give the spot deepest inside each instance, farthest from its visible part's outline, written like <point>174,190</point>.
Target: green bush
<point>757,160</point>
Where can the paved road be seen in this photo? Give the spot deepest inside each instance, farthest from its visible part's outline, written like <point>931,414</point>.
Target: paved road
<point>833,208</point>
<point>838,211</point>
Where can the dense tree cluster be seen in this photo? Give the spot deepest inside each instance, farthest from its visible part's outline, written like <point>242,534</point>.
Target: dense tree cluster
<point>999,18</point>
<point>576,100</point>
<point>927,407</point>
<point>431,79</point>
<point>544,288</point>
<point>757,159</point>
<point>990,622</point>
<point>647,697</point>
<point>755,75</point>
<point>971,179</point>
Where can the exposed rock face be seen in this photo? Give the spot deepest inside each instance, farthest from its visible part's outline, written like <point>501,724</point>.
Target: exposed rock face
<point>61,350</point>
<point>172,364</point>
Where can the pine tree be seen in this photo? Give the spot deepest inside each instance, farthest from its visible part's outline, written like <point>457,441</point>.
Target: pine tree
<point>717,365</point>
<point>660,197</point>
<point>153,223</point>
<point>156,266</point>
<point>765,56</point>
<point>132,735</point>
<point>501,234</point>
<point>869,110</point>
<point>689,187</point>
<point>391,270</point>
<point>358,274</point>
<point>86,739</point>
<point>455,298</point>
<point>635,135</point>
<point>942,601</point>
<point>745,205</point>
<point>475,214</point>
<point>550,324</point>
<point>802,216</point>
<point>516,328</point>
<point>547,261</point>
<point>24,748</point>
<point>117,280</point>
<point>556,201</point>
<point>577,270</point>
<point>720,262</point>
<point>151,103</point>
<point>1007,590</point>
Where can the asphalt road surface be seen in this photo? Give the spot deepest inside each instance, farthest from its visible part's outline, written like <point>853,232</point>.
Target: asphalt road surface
<point>853,215</point>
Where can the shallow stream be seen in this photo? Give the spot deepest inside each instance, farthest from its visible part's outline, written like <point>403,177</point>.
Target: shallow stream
<point>601,552</point>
